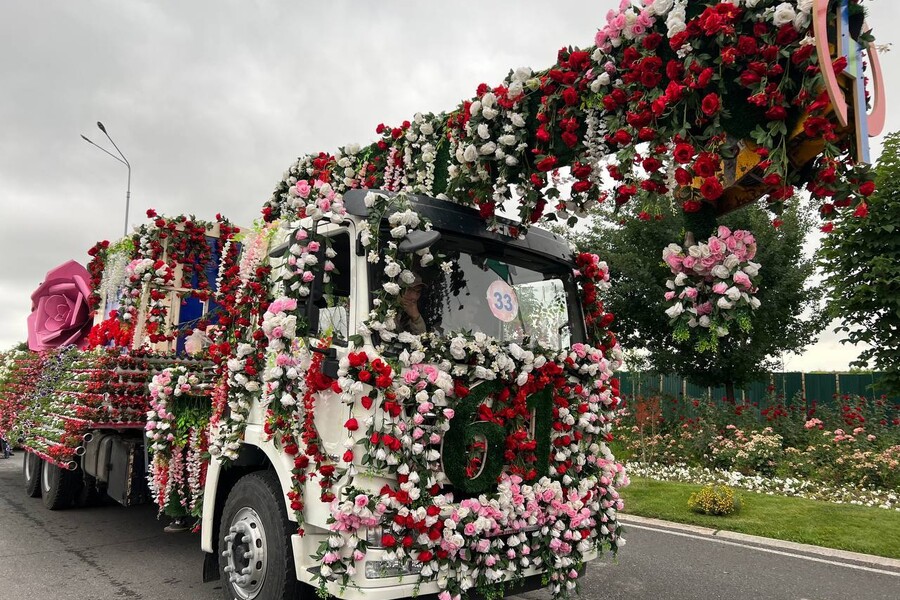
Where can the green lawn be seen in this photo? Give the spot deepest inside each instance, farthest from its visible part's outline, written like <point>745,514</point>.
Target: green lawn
<point>855,528</point>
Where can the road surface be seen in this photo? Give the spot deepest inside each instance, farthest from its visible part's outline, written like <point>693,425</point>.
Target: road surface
<point>114,553</point>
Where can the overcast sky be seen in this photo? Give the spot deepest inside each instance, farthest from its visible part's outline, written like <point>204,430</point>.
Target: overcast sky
<point>211,101</point>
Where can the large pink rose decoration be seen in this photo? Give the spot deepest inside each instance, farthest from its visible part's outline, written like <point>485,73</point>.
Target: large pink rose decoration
<point>60,313</point>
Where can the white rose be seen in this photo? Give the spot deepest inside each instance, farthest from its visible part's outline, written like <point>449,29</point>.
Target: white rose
<point>407,277</point>
<point>660,7</point>
<point>522,74</point>
<point>392,270</point>
<point>507,140</point>
<point>517,119</point>
<point>398,232</point>
<point>470,154</point>
<point>483,131</point>
<point>733,293</point>
<point>724,303</point>
<point>489,113</point>
<point>680,279</point>
<point>487,149</point>
<point>704,321</point>
<point>391,288</point>
<point>784,14</point>
<point>754,302</point>
<point>675,310</point>
<point>751,269</point>
<point>475,108</point>
<point>516,88</point>
<point>720,271</point>
<point>731,261</point>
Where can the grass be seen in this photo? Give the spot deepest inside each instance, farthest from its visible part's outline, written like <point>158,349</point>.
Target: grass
<point>840,526</point>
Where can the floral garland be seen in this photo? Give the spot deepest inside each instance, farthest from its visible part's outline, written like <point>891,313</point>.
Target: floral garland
<point>573,496</point>
<point>669,88</point>
<point>178,442</point>
<point>712,287</point>
<point>592,276</point>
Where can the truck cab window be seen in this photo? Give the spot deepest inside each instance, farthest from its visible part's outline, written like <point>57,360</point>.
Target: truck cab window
<point>331,310</point>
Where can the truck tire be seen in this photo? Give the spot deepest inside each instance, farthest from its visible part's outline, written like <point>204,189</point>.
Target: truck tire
<point>31,473</point>
<point>58,486</point>
<point>254,520</point>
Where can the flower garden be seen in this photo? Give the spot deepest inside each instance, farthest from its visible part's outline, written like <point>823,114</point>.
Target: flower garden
<point>846,450</point>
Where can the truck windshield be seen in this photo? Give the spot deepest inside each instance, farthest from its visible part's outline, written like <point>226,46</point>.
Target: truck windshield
<point>522,299</point>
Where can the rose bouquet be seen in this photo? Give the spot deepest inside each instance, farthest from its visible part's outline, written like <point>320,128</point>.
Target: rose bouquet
<point>712,287</point>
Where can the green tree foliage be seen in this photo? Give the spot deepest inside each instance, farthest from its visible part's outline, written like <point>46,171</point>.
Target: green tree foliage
<point>862,260</point>
<point>786,321</point>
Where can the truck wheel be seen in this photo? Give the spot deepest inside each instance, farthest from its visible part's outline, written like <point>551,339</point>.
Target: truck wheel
<point>31,472</point>
<point>58,487</point>
<point>256,562</point>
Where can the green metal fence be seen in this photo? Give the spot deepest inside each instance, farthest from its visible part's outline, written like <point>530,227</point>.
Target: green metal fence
<point>813,387</point>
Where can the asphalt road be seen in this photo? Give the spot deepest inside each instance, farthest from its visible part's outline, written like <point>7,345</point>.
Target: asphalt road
<point>114,553</point>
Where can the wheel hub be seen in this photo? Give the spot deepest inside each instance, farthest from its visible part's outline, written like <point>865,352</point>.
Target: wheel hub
<point>245,553</point>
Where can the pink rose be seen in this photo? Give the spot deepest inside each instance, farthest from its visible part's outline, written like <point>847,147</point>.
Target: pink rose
<point>720,288</point>
<point>303,188</point>
<point>704,309</point>
<point>690,292</point>
<point>724,232</point>
<point>716,246</point>
<point>60,312</point>
<point>742,279</point>
<point>689,262</point>
<point>313,247</point>
<point>674,261</point>
<point>670,295</point>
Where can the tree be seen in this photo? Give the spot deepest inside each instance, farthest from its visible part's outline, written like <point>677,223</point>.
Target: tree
<point>786,321</point>
<point>861,257</point>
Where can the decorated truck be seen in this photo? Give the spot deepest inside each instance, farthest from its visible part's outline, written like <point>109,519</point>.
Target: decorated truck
<point>385,388</point>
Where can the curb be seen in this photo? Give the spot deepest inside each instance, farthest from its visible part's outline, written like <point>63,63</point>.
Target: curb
<point>867,559</point>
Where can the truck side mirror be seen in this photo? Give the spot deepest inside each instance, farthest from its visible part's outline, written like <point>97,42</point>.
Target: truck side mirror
<point>417,240</point>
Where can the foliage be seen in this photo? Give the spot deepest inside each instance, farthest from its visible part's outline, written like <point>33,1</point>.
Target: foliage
<point>862,259</point>
<point>785,323</point>
<point>854,443</point>
<point>714,500</point>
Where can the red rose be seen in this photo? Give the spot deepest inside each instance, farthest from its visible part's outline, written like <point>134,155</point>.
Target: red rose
<point>747,45</point>
<point>706,165</point>
<point>691,206</point>
<point>861,210</point>
<point>827,227</point>
<point>711,188</point>
<point>542,134</point>
<point>384,381</point>
<point>569,139</point>
<point>748,78</point>
<point>581,171</point>
<point>776,113</point>
<point>711,104</point>
<point>772,179</point>
<point>581,186</point>
<point>651,164</point>
<point>348,456</point>
<point>570,96</point>
<point>388,541</point>
<point>366,402</point>
<point>352,424</point>
<point>365,376</point>
<point>683,153</point>
<point>867,188</point>
<point>683,176</point>
<point>547,164</point>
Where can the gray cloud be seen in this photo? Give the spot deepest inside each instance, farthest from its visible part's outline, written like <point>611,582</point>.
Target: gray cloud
<point>212,100</point>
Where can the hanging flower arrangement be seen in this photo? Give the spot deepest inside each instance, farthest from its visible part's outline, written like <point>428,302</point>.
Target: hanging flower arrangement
<point>713,287</point>
<point>177,430</point>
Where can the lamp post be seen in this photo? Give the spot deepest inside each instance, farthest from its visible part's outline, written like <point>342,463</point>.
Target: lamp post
<point>122,160</point>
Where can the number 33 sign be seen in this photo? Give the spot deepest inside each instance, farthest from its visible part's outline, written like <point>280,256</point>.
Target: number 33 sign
<point>502,300</point>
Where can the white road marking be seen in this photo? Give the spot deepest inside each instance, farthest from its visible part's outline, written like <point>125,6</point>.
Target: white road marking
<point>769,550</point>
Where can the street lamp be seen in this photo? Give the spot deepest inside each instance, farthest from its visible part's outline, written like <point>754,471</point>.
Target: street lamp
<point>122,160</point>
